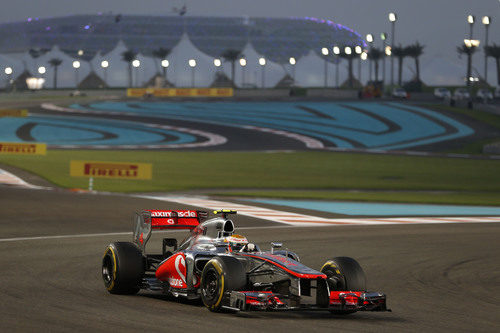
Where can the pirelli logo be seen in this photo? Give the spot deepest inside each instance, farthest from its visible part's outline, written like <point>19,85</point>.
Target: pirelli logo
<point>119,170</point>
<point>23,148</point>
<point>14,113</point>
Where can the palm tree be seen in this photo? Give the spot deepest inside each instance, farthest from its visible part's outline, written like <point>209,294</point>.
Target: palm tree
<point>400,52</point>
<point>129,56</point>
<point>494,52</point>
<point>415,51</point>
<point>231,56</point>
<point>349,58</point>
<point>55,62</point>
<point>469,51</point>
<point>375,55</point>
<point>161,54</point>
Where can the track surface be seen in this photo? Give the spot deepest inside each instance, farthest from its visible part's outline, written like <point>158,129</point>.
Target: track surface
<point>437,277</point>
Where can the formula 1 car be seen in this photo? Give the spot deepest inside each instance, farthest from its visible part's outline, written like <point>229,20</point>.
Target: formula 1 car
<point>229,273</point>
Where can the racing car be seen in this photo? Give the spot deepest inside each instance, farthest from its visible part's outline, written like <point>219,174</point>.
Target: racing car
<point>228,272</point>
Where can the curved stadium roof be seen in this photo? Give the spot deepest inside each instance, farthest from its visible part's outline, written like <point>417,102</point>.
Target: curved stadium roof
<point>277,39</point>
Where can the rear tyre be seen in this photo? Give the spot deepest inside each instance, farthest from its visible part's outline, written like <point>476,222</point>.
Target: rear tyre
<point>220,276</point>
<point>344,273</point>
<point>122,268</point>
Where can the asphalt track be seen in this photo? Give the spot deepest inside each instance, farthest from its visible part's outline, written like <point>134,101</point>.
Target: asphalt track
<point>442,277</point>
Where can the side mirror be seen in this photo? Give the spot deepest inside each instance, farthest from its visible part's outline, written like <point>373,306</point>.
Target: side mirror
<point>275,245</point>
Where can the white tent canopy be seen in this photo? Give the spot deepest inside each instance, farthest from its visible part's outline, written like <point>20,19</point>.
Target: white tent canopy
<point>309,69</point>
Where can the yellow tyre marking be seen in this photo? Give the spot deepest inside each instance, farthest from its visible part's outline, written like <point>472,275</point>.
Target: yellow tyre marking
<point>218,268</point>
<point>329,263</point>
<point>332,265</point>
<point>114,267</point>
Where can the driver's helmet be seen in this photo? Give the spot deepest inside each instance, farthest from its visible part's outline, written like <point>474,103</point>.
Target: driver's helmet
<point>236,242</point>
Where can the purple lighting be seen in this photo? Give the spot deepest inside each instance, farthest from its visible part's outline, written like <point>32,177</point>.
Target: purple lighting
<point>47,28</point>
<point>87,27</point>
<point>337,26</point>
<point>30,19</point>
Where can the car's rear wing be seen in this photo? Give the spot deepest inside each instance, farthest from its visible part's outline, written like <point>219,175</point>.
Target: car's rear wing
<point>148,220</point>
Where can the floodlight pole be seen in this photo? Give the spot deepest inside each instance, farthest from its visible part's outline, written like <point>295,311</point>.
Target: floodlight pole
<point>393,29</point>
<point>486,22</point>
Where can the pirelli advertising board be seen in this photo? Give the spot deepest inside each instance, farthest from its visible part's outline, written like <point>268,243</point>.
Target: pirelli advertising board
<point>20,113</point>
<point>23,148</point>
<point>180,92</point>
<point>117,170</point>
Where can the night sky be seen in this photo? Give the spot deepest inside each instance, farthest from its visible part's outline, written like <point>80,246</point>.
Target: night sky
<point>439,24</point>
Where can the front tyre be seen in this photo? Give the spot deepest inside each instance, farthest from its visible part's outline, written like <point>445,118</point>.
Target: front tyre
<point>344,274</point>
<point>220,276</point>
<point>122,268</point>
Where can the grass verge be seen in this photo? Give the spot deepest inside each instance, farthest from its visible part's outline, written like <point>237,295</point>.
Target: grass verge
<point>248,172</point>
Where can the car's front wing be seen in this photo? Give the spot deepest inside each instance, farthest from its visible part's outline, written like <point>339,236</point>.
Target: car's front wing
<point>342,301</point>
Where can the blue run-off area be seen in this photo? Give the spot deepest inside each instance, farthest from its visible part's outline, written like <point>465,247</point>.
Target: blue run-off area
<point>67,130</point>
<point>383,209</point>
<point>369,125</point>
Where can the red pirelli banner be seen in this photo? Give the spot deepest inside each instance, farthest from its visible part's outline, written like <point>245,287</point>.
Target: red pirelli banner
<point>180,92</point>
<point>121,170</point>
<point>23,148</point>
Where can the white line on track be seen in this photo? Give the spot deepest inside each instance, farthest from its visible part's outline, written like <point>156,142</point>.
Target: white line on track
<point>51,237</point>
<point>296,219</point>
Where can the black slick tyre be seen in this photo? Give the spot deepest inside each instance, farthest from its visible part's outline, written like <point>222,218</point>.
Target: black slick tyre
<point>344,273</point>
<point>122,268</point>
<point>220,276</point>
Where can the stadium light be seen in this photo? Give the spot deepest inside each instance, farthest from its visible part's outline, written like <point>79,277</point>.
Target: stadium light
<point>165,63</point>
<point>364,56</point>
<point>486,22</point>
<point>243,62</point>
<point>105,65</point>
<point>41,70</point>
<point>8,70</point>
<point>76,64</point>
<point>348,50</point>
<point>325,52</point>
<point>136,63</point>
<point>358,49</point>
<point>262,63</point>
<point>293,62</point>
<point>217,62</point>
<point>471,19</point>
<point>369,38</point>
<point>392,18</point>
<point>80,53</point>
<point>471,43</point>
<point>383,36</point>
<point>388,51</point>
<point>192,64</point>
<point>336,50</point>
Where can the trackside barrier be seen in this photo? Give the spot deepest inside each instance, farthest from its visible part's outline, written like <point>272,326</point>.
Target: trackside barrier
<point>180,92</point>
<point>20,113</point>
<point>15,148</point>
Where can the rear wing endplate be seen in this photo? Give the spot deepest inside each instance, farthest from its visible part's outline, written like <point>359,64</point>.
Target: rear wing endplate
<point>148,220</point>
